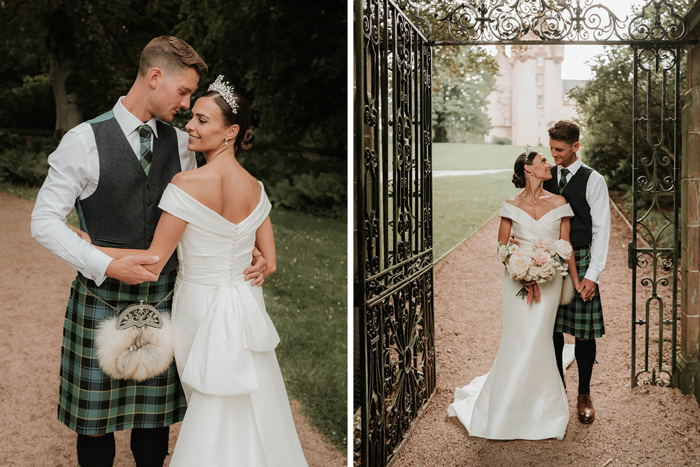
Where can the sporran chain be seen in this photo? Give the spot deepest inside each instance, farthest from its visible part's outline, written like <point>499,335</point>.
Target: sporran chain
<point>134,314</point>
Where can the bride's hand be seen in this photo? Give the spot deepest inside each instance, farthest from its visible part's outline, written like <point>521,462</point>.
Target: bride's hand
<point>255,272</point>
<point>84,236</point>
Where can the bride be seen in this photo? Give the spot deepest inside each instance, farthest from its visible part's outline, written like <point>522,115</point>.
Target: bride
<point>238,411</point>
<point>522,396</point>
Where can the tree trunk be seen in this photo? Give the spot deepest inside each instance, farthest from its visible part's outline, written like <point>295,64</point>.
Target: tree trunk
<point>68,114</point>
<point>62,52</point>
<point>440,135</point>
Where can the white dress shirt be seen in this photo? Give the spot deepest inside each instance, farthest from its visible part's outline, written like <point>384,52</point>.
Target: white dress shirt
<point>74,172</point>
<point>598,200</point>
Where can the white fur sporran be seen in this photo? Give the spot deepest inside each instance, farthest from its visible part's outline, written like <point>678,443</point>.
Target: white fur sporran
<point>567,290</point>
<point>136,344</point>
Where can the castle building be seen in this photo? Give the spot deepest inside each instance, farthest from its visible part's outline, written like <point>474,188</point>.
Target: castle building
<point>530,95</point>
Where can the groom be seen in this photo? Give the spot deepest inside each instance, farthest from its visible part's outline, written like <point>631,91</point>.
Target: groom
<point>587,193</point>
<point>114,169</point>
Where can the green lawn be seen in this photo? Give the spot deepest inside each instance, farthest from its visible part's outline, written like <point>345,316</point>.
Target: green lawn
<point>306,299</point>
<point>463,204</point>
<point>464,156</point>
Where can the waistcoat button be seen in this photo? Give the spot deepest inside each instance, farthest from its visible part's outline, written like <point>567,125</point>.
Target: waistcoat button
<point>149,185</point>
<point>149,238</point>
<point>150,221</point>
<point>148,202</point>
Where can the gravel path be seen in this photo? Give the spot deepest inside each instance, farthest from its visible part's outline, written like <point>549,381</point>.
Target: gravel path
<point>33,298</point>
<point>644,426</point>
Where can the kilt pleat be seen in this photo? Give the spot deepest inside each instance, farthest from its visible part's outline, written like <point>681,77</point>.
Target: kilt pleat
<point>582,319</point>
<point>92,403</point>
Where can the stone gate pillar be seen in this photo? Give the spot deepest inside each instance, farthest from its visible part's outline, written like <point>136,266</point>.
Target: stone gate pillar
<point>689,355</point>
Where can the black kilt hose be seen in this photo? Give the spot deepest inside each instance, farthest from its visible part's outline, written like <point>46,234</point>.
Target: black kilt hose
<point>582,319</point>
<point>91,403</point>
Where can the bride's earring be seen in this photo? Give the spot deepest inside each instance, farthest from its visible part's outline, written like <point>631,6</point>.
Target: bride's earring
<point>226,141</point>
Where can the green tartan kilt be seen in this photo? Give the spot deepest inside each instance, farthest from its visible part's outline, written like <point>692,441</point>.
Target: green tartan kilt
<point>582,319</point>
<point>90,402</point>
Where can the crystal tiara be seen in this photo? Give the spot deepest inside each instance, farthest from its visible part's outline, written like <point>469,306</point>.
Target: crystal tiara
<point>224,91</point>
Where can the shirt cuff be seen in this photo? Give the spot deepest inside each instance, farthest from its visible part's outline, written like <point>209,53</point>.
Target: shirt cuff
<point>96,266</point>
<point>592,274</point>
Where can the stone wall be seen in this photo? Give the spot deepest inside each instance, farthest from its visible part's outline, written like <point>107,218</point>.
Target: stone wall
<point>689,356</point>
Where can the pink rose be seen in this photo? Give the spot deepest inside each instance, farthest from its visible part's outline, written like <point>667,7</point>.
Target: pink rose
<point>541,244</point>
<point>518,264</point>
<point>541,257</point>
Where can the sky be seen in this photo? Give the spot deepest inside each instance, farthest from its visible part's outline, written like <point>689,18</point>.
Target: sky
<point>575,56</point>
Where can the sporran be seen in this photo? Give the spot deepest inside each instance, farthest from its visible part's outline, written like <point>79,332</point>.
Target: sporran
<point>136,343</point>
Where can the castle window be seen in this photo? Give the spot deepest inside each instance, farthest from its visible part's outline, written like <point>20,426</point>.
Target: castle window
<point>540,60</point>
<point>540,79</point>
<point>540,101</point>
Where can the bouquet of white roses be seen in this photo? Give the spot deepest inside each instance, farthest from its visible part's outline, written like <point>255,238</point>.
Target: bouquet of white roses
<point>532,265</point>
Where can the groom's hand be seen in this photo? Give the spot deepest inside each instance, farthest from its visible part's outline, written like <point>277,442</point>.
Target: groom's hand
<point>513,240</point>
<point>255,271</point>
<point>130,269</point>
<point>587,289</point>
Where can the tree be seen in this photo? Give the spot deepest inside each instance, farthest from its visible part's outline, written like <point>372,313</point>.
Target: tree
<point>605,104</point>
<point>287,57</point>
<point>90,47</point>
<point>462,80</point>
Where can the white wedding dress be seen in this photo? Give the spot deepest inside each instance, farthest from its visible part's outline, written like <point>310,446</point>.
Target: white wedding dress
<point>522,397</point>
<point>238,412</point>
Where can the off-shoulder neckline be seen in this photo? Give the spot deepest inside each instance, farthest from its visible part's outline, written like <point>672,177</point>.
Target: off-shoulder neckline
<point>262,196</point>
<point>543,216</point>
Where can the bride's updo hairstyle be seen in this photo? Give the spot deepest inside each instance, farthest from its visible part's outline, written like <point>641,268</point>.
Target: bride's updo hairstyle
<point>244,139</point>
<point>523,159</point>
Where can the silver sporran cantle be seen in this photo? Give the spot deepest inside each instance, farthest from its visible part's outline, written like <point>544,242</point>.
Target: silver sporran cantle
<point>135,344</point>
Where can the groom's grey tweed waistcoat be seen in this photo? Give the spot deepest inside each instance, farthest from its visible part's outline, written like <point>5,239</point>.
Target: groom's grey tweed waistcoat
<point>575,194</point>
<point>123,211</point>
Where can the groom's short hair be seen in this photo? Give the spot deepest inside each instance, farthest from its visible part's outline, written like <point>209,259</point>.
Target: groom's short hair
<point>170,54</point>
<point>566,131</point>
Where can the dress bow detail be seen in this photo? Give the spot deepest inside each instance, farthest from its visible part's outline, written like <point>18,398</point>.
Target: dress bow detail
<point>220,361</point>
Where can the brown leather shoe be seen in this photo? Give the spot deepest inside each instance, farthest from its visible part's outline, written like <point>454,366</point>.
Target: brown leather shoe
<point>586,412</point>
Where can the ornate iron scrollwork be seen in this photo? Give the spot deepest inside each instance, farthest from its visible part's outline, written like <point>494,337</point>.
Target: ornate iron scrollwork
<point>655,174</point>
<point>394,219</point>
<point>573,21</point>
<point>394,182</point>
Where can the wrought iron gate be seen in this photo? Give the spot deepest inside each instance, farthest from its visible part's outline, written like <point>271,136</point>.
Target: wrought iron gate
<point>393,218</point>
<point>394,263</point>
<point>654,252</point>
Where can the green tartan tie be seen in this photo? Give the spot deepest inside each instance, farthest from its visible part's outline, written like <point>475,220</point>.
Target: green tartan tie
<point>146,154</point>
<point>562,180</point>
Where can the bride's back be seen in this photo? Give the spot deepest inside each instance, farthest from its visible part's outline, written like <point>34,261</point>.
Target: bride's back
<point>224,187</point>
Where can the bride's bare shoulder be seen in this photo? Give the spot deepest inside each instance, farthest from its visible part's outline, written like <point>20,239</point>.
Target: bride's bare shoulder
<point>196,183</point>
<point>553,200</point>
<point>515,201</point>
<point>558,200</point>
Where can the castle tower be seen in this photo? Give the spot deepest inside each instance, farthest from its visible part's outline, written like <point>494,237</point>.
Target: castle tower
<point>530,94</point>
<point>500,101</point>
